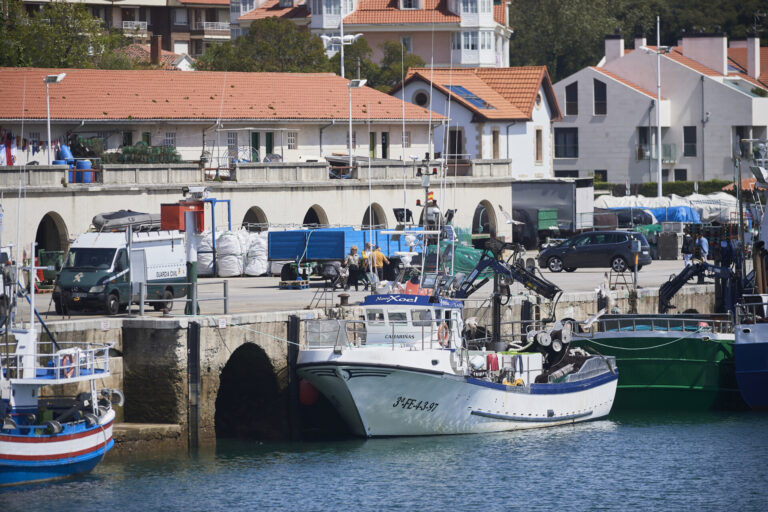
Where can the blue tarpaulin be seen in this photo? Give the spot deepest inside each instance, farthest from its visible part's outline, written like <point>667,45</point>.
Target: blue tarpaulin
<point>676,214</point>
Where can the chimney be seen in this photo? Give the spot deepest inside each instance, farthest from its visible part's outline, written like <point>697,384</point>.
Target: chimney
<point>640,42</point>
<point>707,49</point>
<point>155,49</point>
<point>614,47</point>
<point>753,56</point>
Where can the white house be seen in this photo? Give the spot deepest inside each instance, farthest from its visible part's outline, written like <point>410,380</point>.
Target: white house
<point>459,32</point>
<point>222,116</point>
<point>712,96</point>
<point>504,113</point>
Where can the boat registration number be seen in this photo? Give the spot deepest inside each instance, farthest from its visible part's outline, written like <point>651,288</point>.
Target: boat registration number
<point>414,404</point>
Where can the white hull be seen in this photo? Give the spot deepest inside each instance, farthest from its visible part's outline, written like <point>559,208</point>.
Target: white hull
<point>388,393</point>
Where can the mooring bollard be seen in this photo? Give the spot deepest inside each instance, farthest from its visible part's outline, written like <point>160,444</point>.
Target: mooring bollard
<point>343,299</point>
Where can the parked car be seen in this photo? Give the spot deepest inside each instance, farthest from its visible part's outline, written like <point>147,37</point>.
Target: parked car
<point>596,249</point>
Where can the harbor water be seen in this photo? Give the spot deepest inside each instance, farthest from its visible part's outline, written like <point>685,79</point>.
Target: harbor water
<point>630,461</point>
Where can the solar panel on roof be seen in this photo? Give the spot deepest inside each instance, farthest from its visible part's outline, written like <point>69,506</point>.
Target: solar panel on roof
<point>462,92</point>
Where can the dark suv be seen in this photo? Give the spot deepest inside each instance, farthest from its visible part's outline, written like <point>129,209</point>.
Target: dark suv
<point>596,249</point>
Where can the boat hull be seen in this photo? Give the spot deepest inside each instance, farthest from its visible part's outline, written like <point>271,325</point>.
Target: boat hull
<point>751,355</point>
<point>670,370</point>
<point>28,458</point>
<point>388,400</point>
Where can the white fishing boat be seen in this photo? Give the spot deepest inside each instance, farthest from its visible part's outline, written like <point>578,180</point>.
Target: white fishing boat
<point>49,437</point>
<point>407,369</point>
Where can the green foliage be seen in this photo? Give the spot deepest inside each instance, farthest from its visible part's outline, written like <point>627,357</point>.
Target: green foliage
<point>757,91</point>
<point>115,60</point>
<point>140,153</point>
<point>271,44</point>
<point>357,50</point>
<point>61,35</point>
<point>394,65</point>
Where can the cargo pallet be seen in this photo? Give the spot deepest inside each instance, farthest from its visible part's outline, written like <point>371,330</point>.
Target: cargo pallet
<point>294,285</point>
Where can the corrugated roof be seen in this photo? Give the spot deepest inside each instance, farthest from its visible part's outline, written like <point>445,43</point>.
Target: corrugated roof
<point>512,91</point>
<point>384,12</point>
<point>272,9</point>
<point>94,94</point>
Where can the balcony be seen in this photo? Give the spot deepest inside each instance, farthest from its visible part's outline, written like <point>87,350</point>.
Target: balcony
<point>210,29</point>
<point>135,28</point>
<point>646,152</point>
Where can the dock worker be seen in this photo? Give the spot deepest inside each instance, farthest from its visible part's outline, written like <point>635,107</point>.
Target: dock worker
<point>379,260</point>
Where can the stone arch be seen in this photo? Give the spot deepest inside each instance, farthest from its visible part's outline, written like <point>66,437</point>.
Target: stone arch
<point>250,403</point>
<point>52,234</point>
<point>379,216</point>
<point>483,223</point>
<point>255,219</point>
<point>315,216</point>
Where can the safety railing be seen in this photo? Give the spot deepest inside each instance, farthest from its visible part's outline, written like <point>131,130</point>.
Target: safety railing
<point>212,25</point>
<point>664,323</point>
<point>61,361</point>
<point>753,309</point>
<point>195,298</point>
<point>135,25</point>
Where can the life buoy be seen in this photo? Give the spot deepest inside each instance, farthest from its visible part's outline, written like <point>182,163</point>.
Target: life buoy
<point>443,334</point>
<point>68,366</point>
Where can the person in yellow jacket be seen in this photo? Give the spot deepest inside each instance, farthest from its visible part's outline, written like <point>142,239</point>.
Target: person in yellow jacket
<point>379,260</point>
<point>367,268</point>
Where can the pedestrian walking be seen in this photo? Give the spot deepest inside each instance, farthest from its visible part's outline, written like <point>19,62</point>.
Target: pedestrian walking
<point>379,260</point>
<point>687,248</point>
<point>703,245</point>
<point>352,264</point>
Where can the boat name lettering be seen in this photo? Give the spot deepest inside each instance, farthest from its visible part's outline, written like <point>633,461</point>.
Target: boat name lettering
<point>412,403</point>
<point>397,336</point>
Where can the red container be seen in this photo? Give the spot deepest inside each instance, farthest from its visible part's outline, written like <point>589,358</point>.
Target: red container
<point>172,215</point>
<point>492,362</point>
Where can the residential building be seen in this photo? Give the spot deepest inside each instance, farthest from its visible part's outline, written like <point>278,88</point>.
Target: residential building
<point>212,116</point>
<point>493,114</point>
<point>186,26</point>
<point>459,33</point>
<point>712,95</point>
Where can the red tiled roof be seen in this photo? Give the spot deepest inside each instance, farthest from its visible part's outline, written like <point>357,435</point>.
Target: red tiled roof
<point>140,53</point>
<point>383,12</point>
<point>272,9</point>
<point>737,57</point>
<point>499,13</point>
<point>205,2</point>
<point>678,56</point>
<point>511,91</point>
<point>155,94</point>
<point>624,81</point>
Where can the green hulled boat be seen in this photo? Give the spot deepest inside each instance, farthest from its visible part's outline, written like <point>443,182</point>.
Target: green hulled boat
<point>680,361</point>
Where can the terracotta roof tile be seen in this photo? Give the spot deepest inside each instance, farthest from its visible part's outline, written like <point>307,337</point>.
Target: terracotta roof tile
<point>272,9</point>
<point>140,53</point>
<point>678,56</point>
<point>512,91</point>
<point>499,13</point>
<point>154,94</point>
<point>737,57</point>
<point>382,12</point>
<point>624,81</point>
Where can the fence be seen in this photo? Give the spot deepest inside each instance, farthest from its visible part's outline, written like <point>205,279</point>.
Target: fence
<point>194,300</point>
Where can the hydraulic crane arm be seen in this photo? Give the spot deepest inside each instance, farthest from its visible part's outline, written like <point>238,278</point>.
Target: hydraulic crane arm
<point>518,273</point>
<point>669,289</point>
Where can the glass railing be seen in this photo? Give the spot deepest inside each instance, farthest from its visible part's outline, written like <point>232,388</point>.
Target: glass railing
<point>646,152</point>
<point>135,25</point>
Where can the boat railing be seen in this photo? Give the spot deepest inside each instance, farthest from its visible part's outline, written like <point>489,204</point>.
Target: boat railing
<point>753,309</point>
<point>663,324</point>
<point>56,362</point>
<point>511,333</point>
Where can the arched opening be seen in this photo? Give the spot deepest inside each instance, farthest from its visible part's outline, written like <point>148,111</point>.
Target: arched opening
<point>315,216</point>
<point>379,217</point>
<point>483,224</point>
<point>255,219</point>
<point>250,404</point>
<point>52,233</point>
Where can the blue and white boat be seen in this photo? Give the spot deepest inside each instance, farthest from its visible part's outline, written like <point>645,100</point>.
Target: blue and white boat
<point>750,351</point>
<point>406,369</point>
<point>50,437</point>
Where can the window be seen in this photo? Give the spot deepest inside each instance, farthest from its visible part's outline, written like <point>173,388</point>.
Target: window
<point>347,6</point>
<point>234,8</point>
<point>601,102</point>
<point>407,43</point>
<point>409,4</point>
<point>566,174</point>
<point>566,143</point>
<point>332,6</point>
<point>469,6</point>
<point>421,98</point>
<point>375,316</point>
<point>170,139</point>
<point>572,99</point>
<point>689,141</point>
<point>470,40</point>
<point>354,140</point>
<point>485,6</point>
<point>127,139</point>
<point>103,138</point>
<point>681,174</point>
<point>180,17</point>
<point>539,145</point>
<point>486,40</point>
<point>292,139</point>
<point>406,139</point>
<point>384,145</point>
<point>397,317</point>
<point>455,41</point>
<point>232,144</point>
<point>643,143</point>
<point>422,317</point>
<point>601,175</point>
<point>146,138</point>
<point>495,144</point>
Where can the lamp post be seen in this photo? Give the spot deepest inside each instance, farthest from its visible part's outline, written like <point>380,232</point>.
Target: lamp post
<point>353,84</point>
<point>341,40</point>
<point>659,50</point>
<point>50,79</point>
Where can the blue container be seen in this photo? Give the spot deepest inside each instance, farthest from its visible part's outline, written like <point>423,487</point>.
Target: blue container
<point>83,164</point>
<point>65,153</point>
<point>71,176</point>
<point>87,176</point>
<point>59,162</point>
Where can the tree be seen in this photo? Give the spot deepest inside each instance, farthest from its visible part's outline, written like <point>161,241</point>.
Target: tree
<point>394,65</point>
<point>271,44</point>
<point>62,35</point>
<point>357,51</point>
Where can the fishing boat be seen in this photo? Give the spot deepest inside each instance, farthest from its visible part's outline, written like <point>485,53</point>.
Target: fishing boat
<point>48,437</point>
<point>409,368</point>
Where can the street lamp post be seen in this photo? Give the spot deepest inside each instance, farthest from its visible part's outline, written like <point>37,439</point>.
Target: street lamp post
<point>353,84</point>
<point>50,79</point>
<point>658,107</point>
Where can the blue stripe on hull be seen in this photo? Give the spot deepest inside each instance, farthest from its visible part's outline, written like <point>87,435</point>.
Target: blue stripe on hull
<point>531,419</point>
<point>751,362</point>
<point>552,388</point>
<point>27,472</point>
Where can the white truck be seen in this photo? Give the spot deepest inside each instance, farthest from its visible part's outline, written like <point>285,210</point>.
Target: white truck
<point>98,274</point>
